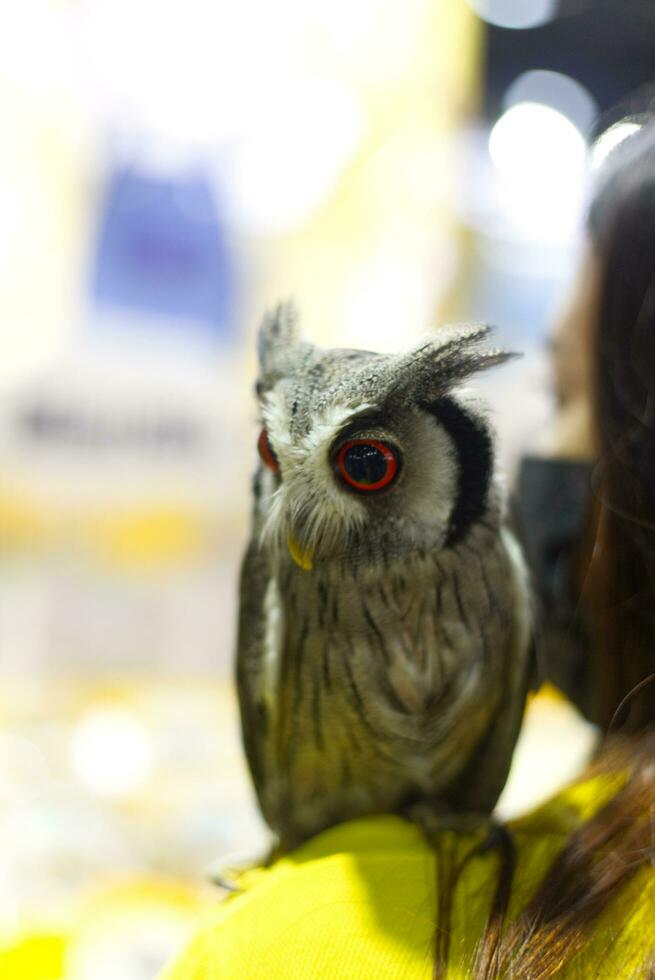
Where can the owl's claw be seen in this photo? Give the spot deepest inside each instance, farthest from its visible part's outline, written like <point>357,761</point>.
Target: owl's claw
<point>226,872</point>
<point>434,820</point>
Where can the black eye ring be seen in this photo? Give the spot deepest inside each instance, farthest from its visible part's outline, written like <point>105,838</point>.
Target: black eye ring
<point>367,465</point>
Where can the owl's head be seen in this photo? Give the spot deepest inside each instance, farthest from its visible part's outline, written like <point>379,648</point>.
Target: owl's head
<point>368,457</point>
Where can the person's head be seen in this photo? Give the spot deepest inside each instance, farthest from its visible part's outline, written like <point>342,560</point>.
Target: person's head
<point>613,297</point>
<point>604,361</point>
<point>604,354</point>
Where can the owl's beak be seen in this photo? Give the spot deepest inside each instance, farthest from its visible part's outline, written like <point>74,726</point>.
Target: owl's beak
<point>303,557</point>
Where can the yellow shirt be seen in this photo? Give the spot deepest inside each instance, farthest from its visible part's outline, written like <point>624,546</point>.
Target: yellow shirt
<point>360,900</point>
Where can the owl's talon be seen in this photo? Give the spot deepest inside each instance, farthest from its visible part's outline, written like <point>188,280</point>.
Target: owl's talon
<point>433,821</point>
<point>226,872</point>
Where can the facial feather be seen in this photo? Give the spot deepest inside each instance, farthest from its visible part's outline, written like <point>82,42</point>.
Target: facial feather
<point>311,505</point>
<point>308,503</point>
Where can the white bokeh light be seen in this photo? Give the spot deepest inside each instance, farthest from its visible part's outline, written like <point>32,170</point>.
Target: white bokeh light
<point>554,89</point>
<point>533,140</point>
<point>134,944</point>
<point>540,158</point>
<point>292,154</point>
<point>516,14</point>
<point>111,752</point>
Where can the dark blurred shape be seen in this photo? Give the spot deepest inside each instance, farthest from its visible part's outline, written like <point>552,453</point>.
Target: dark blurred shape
<point>58,426</point>
<point>607,45</point>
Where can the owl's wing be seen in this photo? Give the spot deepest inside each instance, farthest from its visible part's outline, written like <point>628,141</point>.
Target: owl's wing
<point>480,784</point>
<point>250,666</point>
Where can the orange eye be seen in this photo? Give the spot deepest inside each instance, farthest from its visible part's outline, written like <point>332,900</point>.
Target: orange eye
<point>367,464</point>
<point>266,453</point>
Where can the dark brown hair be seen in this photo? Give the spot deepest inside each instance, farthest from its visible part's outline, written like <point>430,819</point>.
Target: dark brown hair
<point>617,592</point>
<point>620,587</point>
<point>598,861</point>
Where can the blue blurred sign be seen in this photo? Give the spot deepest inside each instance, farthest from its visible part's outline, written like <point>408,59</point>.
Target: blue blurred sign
<point>162,250</point>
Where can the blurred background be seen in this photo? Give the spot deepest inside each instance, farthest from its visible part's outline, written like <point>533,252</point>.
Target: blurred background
<point>167,171</point>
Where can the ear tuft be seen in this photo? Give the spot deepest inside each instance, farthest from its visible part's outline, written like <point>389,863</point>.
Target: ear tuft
<point>278,334</point>
<point>461,353</point>
<point>444,361</point>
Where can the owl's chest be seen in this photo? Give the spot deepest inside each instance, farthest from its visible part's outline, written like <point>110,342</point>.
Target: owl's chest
<point>403,657</point>
<point>378,689</point>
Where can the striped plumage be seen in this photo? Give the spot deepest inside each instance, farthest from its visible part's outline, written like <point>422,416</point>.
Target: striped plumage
<point>394,671</point>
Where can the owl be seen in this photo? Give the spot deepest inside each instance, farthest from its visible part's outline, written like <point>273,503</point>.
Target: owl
<point>384,630</point>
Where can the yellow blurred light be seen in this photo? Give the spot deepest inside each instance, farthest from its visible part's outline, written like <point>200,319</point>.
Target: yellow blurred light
<point>154,537</point>
<point>131,930</point>
<point>23,525</point>
<point>111,752</point>
<point>124,931</point>
<point>36,956</point>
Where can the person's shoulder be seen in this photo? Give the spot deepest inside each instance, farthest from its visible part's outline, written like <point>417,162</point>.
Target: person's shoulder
<point>355,900</point>
<point>376,835</point>
<point>361,899</point>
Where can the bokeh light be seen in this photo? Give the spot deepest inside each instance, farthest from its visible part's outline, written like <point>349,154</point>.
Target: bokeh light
<point>282,171</point>
<point>541,157</point>
<point>554,89</point>
<point>516,14</point>
<point>111,752</point>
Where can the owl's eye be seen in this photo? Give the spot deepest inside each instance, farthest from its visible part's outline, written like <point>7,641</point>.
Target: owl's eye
<point>367,464</point>
<point>266,453</point>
